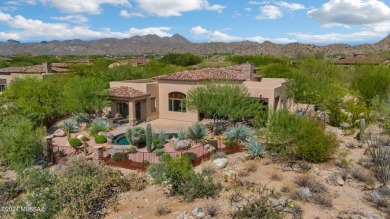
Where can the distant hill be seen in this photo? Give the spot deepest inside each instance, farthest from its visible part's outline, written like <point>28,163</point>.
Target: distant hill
<point>139,45</point>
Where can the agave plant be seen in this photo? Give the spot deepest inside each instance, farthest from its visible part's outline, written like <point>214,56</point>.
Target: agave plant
<point>181,135</point>
<point>99,125</point>
<point>135,135</point>
<point>255,149</point>
<point>239,134</point>
<point>197,132</point>
<point>69,125</point>
<point>81,117</point>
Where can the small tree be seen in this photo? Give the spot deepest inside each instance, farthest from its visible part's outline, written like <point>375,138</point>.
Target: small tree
<point>223,100</point>
<point>149,137</point>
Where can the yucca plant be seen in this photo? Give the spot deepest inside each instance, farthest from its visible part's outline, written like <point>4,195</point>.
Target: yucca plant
<point>255,149</point>
<point>181,135</point>
<point>239,134</point>
<point>197,132</point>
<point>69,125</point>
<point>99,125</point>
<point>135,135</point>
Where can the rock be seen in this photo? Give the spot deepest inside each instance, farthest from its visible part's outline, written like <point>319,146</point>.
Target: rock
<point>305,193</point>
<point>345,125</point>
<point>207,147</point>
<point>182,145</point>
<point>80,137</point>
<point>375,197</point>
<point>220,162</point>
<point>360,144</point>
<point>274,202</point>
<point>339,180</point>
<point>59,133</point>
<point>385,190</point>
<point>198,212</point>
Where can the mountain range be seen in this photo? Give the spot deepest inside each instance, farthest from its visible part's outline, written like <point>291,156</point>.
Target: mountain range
<point>153,44</point>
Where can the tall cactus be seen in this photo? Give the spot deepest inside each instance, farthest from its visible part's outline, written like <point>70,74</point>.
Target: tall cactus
<point>149,137</point>
<point>362,129</point>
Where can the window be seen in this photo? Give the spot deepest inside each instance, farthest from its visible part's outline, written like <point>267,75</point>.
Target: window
<point>153,104</point>
<point>3,84</point>
<point>177,102</point>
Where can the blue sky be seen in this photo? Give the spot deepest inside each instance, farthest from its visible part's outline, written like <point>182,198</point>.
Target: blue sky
<point>305,21</point>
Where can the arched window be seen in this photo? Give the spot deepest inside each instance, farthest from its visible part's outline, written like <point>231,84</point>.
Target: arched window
<point>177,102</point>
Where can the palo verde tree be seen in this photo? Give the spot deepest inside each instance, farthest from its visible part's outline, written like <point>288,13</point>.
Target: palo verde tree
<point>223,100</point>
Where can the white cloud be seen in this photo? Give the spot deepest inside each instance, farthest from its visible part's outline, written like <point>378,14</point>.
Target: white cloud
<point>260,39</point>
<point>166,8</point>
<point>125,13</point>
<point>291,6</point>
<point>247,9</point>
<point>198,30</point>
<point>269,12</point>
<point>29,29</point>
<point>351,12</point>
<point>77,19</point>
<point>259,3</point>
<point>83,6</point>
<point>217,36</point>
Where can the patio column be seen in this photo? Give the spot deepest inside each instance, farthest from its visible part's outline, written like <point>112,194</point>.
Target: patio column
<point>132,119</point>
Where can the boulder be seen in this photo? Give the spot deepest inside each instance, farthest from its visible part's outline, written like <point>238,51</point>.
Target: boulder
<point>345,125</point>
<point>305,193</point>
<point>59,133</point>
<point>197,212</point>
<point>220,162</point>
<point>339,180</point>
<point>182,145</point>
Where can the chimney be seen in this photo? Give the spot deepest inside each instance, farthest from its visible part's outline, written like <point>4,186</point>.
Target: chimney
<point>47,67</point>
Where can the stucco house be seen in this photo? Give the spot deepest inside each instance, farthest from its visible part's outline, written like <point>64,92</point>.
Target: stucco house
<point>162,97</point>
<point>7,75</point>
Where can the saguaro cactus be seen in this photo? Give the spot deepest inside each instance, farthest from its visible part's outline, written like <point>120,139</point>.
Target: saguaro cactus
<point>149,137</point>
<point>362,128</point>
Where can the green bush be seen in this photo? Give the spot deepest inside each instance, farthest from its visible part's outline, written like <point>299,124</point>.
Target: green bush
<point>200,185</point>
<point>299,137</point>
<point>74,142</point>
<point>133,149</point>
<point>84,138</point>
<point>159,152</point>
<point>120,156</point>
<point>135,135</point>
<point>99,125</point>
<point>157,172</point>
<point>165,157</point>
<point>100,139</point>
<point>191,156</point>
<point>155,141</point>
<point>178,171</point>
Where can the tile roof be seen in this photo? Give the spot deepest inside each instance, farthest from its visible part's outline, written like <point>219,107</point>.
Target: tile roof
<point>359,59</point>
<point>234,73</point>
<point>56,67</point>
<point>126,92</point>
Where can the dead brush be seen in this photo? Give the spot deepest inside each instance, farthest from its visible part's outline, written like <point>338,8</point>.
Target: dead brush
<point>323,200</point>
<point>212,208</point>
<point>137,181</point>
<point>248,167</point>
<point>162,208</point>
<point>363,175</point>
<point>309,182</point>
<point>276,177</point>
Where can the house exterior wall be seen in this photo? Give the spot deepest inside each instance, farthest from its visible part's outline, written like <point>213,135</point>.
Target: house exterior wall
<point>272,89</point>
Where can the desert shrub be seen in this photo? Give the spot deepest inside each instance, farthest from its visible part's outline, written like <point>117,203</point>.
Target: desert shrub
<point>381,158</point>
<point>165,157</point>
<point>247,167</point>
<point>309,182</point>
<point>155,141</point>
<point>99,125</point>
<point>344,162</point>
<point>159,152</point>
<point>218,154</point>
<point>100,139</point>
<point>285,189</point>
<point>212,208</point>
<point>160,146</point>
<point>135,135</point>
<point>133,149</point>
<point>69,125</point>
<point>157,172</point>
<point>120,156</point>
<point>9,190</point>
<point>191,156</point>
<point>363,175</point>
<point>255,149</point>
<point>60,193</point>
<point>162,208</point>
<point>84,138</point>
<point>323,200</point>
<point>178,171</point>
<point>62,153</point>
<point>256,206</point>
<point>240,134</point>
<point>136,181</point>
<point>197,132</point>
<point>74,142</point>
<point>181,135</point>
<point>199,185</point>
<point>276,177</point>
<point>299,137</point>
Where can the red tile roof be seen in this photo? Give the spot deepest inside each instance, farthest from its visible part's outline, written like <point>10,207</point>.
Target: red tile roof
<point>234,73</point>
<point>359,59</point>
<point>56,67</point>
<point>126,92</point>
